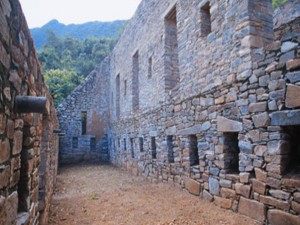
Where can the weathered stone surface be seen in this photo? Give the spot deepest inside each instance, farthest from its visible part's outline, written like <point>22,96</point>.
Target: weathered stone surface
<point>4,150</point>
<point>292,99</point>
<point>274,202</point>
<point>227,125</point>
<point>296,207</point>
<point>280,194</point>
<point>4,176</point>
<point>261,120</point>
<point>244,177</point>
<point>252,209</point>
<point>11,208</point>
<point>228,193</point>
<point>223,202</point>
<point>207,196</point>
<point>192,186</point>
<point>293,77</point>
<point>259,186</point>
<point>288,46</point>
<point>293,64</point>
<point>258,107</point>
<point>214,187</point>
<point>18,141</point>
<point>260,175</point>
<point>243,190</point>
<point>285,118</point>
<point>260,150</point>
<point>297,196</point>
<point>2,123</point>
<point>277,217</point>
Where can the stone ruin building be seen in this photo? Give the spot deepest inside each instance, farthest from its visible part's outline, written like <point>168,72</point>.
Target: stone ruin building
<point>200,94</point>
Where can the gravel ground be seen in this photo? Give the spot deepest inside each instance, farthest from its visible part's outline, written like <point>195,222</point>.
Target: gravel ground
<point>102,194</point>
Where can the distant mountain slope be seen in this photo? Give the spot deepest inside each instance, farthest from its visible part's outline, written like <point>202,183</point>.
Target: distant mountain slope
<point>79,31</point>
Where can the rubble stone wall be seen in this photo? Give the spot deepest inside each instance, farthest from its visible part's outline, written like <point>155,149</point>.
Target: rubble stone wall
<point>225,129</point>
<point>28,142</point>
<point>203,95</point>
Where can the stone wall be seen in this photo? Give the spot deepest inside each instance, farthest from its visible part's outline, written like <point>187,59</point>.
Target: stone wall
<point>210,104</point>
<point>83,118</point>
<point>28,141</point>
<point>202,95</point>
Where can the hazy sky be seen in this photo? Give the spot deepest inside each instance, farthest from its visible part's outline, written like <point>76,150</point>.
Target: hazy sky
<point>39,12</point>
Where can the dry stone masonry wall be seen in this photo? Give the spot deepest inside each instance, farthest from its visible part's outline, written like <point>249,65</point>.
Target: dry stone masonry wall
<point>28,141</point>
<point>203,95</point>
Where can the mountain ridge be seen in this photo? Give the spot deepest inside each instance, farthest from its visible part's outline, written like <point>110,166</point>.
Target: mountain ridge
<point>79,31</point>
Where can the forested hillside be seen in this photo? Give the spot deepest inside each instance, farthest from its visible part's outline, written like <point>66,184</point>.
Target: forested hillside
<point>67,61</point>
<point>79,31</point>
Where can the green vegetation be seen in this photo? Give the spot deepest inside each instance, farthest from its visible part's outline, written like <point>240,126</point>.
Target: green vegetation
<point>67,61</point>
<point>78,31</point>
<point>277,3</point>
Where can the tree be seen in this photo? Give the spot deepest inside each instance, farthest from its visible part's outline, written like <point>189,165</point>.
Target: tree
<point>277,3</point>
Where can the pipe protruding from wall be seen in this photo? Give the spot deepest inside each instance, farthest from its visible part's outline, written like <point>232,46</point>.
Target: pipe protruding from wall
<point>30,104</point>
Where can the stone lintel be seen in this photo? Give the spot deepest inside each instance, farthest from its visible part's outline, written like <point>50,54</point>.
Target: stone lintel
<point>192,130</point>
<point>285,118</point>
<point>227,125</point>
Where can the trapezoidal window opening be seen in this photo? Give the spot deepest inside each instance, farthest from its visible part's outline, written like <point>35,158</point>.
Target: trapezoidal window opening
<point>150,67</point>
<point>153,147</point>
<point>83,122</point>
<point>118,96</point>
<point>231,152</point>
<point>205,20</point>
<point>171,61</point>
<point>125,87</point>
<point>135,81</point>
<point>75,142</point>
<point>194,154</point>
<point>132,147</point>
<point>290,163</point>
<point>141,143</point>
<point>125,145</point>
<point>93,143</point>
<point>170,147</point>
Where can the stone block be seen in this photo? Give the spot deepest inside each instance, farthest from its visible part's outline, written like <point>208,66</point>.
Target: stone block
<point>223,202</point>
<point>260,175</point>
<point>207,196</point>
<point>293,64</point>
<point>280,194</point>
<point>244,177</point>
<point>192,186</point>
<point>285,118</point>
<point>293,77</point>
<point>2,210</point>
<point>18,140</point>
<point>297,196</point>
<point>225,183</point>
<point>4,150</point>
<point>228,193</point>
<point>296,207</point>
<point>245,147</point>
<point>261,120</point>
<point>259,186</point>
<point>291,182</point>
<point>2,123</point>
<point>227,125</point>
<point>284,205</point>
<point>253,209</point>
<point>258,107</point>
<point>277,217</point>
<point>292,99</point>
<point>288,46</point>
<point>214,187</point>
<point>4,176</point>
<point>243,190</point>
<point>11,208</point>
<point>260,150</point>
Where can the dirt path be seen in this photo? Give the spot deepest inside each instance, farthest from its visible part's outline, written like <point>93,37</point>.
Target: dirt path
<point>101,194</point>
